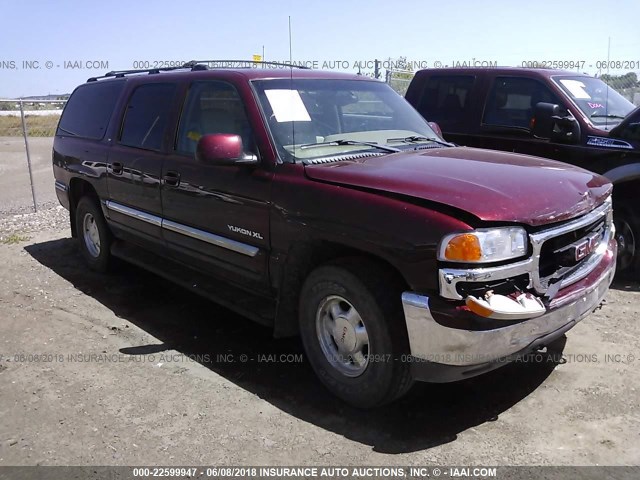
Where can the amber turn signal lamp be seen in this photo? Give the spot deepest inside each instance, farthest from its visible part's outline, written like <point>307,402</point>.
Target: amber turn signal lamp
<point>463,248</point>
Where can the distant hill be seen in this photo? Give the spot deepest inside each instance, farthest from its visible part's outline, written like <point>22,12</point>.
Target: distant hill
<point>63,96</point>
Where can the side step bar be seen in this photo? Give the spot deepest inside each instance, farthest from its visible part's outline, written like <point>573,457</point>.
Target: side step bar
<point>258,309</point>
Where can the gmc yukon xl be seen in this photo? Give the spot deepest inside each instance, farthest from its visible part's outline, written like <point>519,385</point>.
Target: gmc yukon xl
<point>560,115</point>
<point>323,205</point>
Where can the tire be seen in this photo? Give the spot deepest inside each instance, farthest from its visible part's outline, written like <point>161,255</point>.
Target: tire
<point>94,237</point>
<point>628,238</point>
<point>336,302</point>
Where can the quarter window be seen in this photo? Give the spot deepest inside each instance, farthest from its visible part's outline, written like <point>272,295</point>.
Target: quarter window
<point>147,115</point>
<point>89,110</point>
<point>512,100</point>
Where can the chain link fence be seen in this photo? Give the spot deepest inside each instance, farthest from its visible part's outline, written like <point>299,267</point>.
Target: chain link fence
<point>27,128</point>
<point>399,80</point>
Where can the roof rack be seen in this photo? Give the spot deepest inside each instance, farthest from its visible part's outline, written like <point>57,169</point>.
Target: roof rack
<point>242,64</point>
<point>195,65</point>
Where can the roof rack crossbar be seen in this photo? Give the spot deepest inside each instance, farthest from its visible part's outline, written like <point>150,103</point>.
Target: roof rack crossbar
<point>223,63</point>
<point>122,73</point>
<point>195,65</point>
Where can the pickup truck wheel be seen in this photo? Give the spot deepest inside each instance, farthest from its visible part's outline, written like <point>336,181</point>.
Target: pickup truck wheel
<point>628,238</point>
<point>353,332</point>
<point>93,235</point>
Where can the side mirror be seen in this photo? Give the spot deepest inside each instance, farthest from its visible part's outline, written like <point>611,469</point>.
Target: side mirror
<point>223,149</point>
<point>553,122</point>
<point>436,128</point>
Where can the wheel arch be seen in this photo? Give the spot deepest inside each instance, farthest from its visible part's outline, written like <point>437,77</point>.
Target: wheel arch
<point>79,188</point>
<point>302,259</point>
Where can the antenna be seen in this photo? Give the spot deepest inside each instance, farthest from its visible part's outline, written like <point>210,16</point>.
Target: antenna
<point>293,131</point>
<point>606,108</point>
<point>290,42</point>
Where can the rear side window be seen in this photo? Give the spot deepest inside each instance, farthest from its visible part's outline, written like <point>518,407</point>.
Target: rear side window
<point>445,98</point>
<point>89,109</point>
<point>147,115</point>
<point>512,100</point>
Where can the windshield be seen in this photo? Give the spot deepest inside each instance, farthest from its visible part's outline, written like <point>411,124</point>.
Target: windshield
<point>599,102</point>
<point>311,118</point>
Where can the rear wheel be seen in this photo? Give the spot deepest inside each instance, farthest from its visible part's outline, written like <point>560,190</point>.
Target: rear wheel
<point>93,235</point>
<point>353,331</point>
<point>628,238</point>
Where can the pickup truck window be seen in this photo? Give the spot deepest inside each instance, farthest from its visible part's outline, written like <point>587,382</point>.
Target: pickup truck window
<point>334,115</point>
<point>89,109</point>
<point>512,99</point>
<point>212,107</point>
<point>444,98</point>
<point>599,102</point>
<point>146,116</point>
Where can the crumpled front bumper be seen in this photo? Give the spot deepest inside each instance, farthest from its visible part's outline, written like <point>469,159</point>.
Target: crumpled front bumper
<point>442,353</point>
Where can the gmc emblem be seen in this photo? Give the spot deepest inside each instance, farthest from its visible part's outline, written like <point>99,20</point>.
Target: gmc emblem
<point>586,247</point>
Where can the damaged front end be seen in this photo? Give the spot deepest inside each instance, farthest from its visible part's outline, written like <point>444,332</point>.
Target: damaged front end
<point>486,316</point>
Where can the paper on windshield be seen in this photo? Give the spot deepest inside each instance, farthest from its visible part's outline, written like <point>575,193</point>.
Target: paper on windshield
<point>287,105</point>
<point>576,88</point>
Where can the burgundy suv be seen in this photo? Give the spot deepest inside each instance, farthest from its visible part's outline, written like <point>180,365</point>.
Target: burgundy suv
<point>323,205</point>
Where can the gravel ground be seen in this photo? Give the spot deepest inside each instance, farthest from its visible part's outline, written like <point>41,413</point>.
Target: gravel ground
<point>127,369</point>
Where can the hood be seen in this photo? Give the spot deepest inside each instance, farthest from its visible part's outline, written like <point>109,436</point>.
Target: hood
<point>491,185</point>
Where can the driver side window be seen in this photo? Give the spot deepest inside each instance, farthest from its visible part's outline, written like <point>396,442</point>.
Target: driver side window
<point>512,100</point>
<point>212,107</point>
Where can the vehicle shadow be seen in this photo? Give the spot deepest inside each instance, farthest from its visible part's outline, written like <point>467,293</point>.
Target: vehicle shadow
<point>625,284</point>
<point>430,415</point>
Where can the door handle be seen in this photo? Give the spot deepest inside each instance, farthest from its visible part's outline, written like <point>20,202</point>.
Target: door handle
<point>171,178</point>
<point>117,168</point>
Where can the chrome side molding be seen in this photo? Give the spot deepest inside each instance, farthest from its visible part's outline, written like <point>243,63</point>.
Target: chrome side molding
<point>134,213</point>
<point>211,238</point>
<point>203,236</point>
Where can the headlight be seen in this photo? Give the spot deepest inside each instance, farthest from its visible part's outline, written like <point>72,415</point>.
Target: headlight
<point>484,245</point>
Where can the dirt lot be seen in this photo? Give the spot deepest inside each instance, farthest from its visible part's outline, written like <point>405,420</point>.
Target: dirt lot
<point>95,370</point>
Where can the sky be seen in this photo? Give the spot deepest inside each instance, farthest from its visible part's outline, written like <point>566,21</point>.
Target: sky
<point>63,36</point>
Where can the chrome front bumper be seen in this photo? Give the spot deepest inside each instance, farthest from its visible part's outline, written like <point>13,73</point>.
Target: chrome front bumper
<point>431,341</point>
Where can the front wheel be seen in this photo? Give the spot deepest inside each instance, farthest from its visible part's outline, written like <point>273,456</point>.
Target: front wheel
<point>353,332</point>
<point>628,238</point>
<point>93,235</point>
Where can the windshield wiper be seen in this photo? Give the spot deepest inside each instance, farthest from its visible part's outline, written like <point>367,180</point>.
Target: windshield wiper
<point>418,139</point>
<point>351,142</point>
<point>607,115</point>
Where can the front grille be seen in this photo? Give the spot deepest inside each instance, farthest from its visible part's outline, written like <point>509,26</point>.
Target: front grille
<point>559,253</point>
<point>566,253</point>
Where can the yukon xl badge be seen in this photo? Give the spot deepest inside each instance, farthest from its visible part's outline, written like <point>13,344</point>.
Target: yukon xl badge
<point>246,232</point>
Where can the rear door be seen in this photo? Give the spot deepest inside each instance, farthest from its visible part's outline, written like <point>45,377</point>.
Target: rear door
<point>216,217</point>
<point>135,162</point>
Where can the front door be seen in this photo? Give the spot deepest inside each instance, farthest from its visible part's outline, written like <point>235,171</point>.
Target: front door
<point>216,217</point>
<point>507,116</point>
